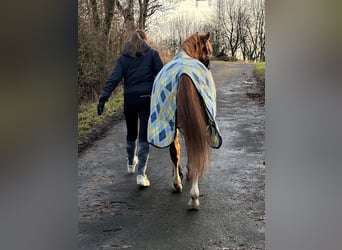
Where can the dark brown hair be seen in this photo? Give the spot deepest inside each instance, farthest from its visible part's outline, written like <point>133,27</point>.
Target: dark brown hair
<point>135,44</point>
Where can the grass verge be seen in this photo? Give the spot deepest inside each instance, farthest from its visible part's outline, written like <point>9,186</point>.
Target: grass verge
<point>260,71</point>
<point>90,125</point>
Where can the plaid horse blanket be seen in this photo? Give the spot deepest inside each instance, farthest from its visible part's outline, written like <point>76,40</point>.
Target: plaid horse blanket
<point>162,120</point>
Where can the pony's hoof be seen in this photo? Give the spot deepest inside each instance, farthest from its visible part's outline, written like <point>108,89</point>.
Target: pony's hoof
<point>177,188</point>
<point>193,204</point>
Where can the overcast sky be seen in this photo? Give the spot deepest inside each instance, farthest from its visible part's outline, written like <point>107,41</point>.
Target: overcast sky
<point>188,7</point>
<point>202,9</point>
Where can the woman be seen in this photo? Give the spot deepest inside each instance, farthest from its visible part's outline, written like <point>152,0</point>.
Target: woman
<point>138,65</point>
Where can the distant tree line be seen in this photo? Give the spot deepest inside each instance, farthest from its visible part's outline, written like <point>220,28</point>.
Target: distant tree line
<point>237,27</point>
<point>240,25</point>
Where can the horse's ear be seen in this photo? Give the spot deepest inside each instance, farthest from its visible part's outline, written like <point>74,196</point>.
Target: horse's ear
<point>207,36</point>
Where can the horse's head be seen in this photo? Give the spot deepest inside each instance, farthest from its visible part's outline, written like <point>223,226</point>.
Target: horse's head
<point>198,46</point>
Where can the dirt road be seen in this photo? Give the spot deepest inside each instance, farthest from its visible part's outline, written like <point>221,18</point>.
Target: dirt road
<point>115,214</point>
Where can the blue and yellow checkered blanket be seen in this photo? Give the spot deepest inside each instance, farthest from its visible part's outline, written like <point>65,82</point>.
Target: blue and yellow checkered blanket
<point>161,123</point>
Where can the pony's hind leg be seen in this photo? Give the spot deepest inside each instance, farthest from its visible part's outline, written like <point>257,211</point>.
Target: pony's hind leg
<point>193,203</point>
<point>175,157</point>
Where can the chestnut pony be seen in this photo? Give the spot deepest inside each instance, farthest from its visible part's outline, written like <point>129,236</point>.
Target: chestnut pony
<point>191,116</point>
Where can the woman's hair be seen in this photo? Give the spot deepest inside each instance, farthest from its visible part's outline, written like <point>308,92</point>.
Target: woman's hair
<point>135,44</point>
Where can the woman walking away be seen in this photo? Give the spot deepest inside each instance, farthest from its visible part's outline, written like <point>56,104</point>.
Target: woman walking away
<point>138,65</point>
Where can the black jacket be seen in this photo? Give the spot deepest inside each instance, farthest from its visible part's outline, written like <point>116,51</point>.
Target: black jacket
<point>138,73</point>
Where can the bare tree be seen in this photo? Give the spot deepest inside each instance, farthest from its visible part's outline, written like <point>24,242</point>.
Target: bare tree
<point>103,26</point>
<point>232,17</point>
<point>261,28</point>
<point>179,28</point>
<point>102,8</point>
<point>109,7</point>
<point>91,49</point>
<point>135,13</point>
<point>95,13</point>
<point>147,8</point>
<point>126,9</point>
<point>253,42</point>
<point>239,26</point>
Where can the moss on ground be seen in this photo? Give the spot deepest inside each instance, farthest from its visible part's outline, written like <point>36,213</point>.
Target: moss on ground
<point>260,71</point>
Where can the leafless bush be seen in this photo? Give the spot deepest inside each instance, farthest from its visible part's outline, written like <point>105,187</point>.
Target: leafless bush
<point>103,27</point>
<point>164,52</point>
<point>93,56</point>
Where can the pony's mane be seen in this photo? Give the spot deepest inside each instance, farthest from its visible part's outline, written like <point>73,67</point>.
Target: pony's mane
<point>197,46</point>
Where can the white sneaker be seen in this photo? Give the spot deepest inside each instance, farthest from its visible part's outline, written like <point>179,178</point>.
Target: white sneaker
<point>143,181</point>
<point>131,168</point>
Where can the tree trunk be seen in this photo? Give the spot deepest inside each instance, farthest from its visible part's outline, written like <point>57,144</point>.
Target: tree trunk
<point>128,15</point>
<point>109,14</point>
<point>142,13</point>
<point>95,14</point>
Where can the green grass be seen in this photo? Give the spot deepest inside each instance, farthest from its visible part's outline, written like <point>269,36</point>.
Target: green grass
<point>88,118</point>
<point>260,71</point>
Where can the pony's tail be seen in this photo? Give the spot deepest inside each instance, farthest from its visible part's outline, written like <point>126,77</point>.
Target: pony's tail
<point>192,121</point>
